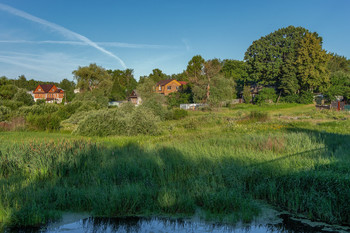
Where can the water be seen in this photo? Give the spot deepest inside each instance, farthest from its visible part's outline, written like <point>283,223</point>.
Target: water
<point>282,223</point>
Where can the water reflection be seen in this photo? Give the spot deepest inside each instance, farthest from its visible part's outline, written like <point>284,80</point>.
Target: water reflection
<point>136,224</point>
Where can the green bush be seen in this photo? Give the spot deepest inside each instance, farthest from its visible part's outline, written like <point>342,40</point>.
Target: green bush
<point>119,122</point>
<point>294,98</point>
<point>266,94</point>
<point>23,96</point>
<point>179,114</point>
<point>49,122</point>
<point>4,113</point>
<point>142,121</point>
<point>67,110</point>
<point>38,109</point>
<point>306,97</point>
<point>156,108</point>
<point>13,105</point>
<point>256,116</point>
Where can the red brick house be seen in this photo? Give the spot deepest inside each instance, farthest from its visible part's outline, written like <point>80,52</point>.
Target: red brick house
<point>168,86</point>
<point>49,92</point>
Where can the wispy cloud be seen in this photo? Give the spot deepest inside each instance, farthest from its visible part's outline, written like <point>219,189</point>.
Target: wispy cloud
<point>42,66</point>
<point>108,44</point>
<point>64,31</point>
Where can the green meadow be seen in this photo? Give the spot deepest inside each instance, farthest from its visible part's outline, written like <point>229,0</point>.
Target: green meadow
<point>217,164</point>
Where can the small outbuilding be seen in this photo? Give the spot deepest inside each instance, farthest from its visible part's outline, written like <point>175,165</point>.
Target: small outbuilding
<point>135,98</point>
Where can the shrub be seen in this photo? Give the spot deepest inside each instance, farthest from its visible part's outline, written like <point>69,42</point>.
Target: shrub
<point>118,122</point>
<point>50,122</point>
<point>266,94</point>
<point>306,97</point>
<point>23,96</point>
<point>179,113</point>
<point>156,108</point>
<point>247,94</point>
<point>13,105</point>
<point>102,123</point>
<point>38,109</point>
<point>4,113</point>
<point>127,107</point>
<point>257,116</point>
<point>294,98</point>
<point>142,121</point>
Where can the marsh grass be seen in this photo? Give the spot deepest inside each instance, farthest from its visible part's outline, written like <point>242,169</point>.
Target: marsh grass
<point>219,168</point>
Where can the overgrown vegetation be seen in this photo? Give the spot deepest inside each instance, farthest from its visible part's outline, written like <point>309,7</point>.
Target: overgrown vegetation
<point>218,162</point>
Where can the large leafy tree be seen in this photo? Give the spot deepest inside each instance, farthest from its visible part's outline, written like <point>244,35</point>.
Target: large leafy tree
<point>338,63</point>
<point>93,77</point>
<point>311,64</point>
<point>195,68</point>
<point>68,87</point>
<point>280,60</point>
<point>123,83</point>
<point>236,70</point>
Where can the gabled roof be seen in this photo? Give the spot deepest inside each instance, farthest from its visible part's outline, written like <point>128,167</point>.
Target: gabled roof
<point>134,94</point>
<point>165,82</point>
<point>46,87</point>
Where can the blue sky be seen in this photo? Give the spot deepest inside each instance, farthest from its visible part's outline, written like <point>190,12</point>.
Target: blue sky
<point>47,39</point>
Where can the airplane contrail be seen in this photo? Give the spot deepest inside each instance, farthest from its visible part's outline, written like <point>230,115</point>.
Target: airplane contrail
<point>111,44</point>
<point>64,31</point>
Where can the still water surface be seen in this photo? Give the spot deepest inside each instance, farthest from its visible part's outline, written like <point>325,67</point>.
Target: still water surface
<point>286,224</point>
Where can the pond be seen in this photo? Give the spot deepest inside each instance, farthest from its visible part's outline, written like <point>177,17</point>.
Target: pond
<point>74,223</point>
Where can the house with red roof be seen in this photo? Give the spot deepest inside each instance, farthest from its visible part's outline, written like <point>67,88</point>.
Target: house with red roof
<point>49,92</point>
<point>168,86</point>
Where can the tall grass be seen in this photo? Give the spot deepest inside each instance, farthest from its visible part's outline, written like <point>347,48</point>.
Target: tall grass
<point>219,170</point>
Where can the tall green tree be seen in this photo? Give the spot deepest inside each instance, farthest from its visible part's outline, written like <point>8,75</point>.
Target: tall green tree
<point>68,87</point>
<point>280,60</point>
<point>123,83</point>
<point>195,68</point>
<point>311,63</point>
<point>236,70</point>
<point>338,63</point>
<point>93,77</point>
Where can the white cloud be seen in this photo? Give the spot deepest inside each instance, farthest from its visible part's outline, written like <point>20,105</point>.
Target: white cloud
<point>65,32</point>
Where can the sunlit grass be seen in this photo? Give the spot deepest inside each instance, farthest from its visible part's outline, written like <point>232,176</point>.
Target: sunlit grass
<point>217,162</point>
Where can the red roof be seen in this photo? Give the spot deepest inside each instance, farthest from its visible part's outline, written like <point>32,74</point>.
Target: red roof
<point>183,82</point>
<point>46,87</point>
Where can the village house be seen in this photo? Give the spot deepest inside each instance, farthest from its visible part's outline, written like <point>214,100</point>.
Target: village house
<point>165,87</point>
<point>49,92</point>
<point>135,98</point>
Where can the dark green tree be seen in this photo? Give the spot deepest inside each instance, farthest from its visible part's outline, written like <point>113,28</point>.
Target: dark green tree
<point>23,96</point>
<point>68,87</point>
<point>93,77</point>
<point>311,64</point>
<point>280,60</point>
<point>123,83</point>
<point>195,69</point>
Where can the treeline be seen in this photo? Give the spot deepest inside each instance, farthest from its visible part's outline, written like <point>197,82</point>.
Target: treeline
<point>288,65</point>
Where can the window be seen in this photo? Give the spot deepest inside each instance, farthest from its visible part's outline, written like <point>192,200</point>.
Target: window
<point>169,88</point>
<point>160,87</point>
<point>39,89</point>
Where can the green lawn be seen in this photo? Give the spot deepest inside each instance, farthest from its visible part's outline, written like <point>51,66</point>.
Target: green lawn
<point>221,162</point>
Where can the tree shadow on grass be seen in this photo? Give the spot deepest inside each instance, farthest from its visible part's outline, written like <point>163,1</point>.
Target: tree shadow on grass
<point>121,181</point>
